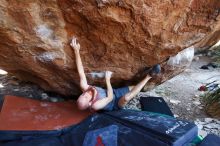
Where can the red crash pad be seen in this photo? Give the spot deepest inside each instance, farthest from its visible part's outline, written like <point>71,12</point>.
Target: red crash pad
<point>19,113</point>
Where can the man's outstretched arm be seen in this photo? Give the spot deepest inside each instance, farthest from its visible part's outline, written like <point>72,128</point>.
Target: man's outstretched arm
<point>101,103</point>
<point>83,81</point>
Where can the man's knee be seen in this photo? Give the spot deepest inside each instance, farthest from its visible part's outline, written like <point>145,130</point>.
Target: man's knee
<point>123,101</point>
<point>127,97</point>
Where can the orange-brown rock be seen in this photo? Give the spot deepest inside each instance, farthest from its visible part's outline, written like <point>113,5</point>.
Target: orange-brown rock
<point>123,36</point>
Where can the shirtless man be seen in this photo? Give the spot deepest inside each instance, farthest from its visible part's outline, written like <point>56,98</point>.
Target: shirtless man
<point>97,98</point>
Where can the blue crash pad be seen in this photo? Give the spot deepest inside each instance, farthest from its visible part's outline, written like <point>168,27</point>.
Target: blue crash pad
<point>210,140</point>
<point>123,127</point>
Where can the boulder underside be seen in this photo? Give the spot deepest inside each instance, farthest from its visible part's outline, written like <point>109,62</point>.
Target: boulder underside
<point>122,36</point>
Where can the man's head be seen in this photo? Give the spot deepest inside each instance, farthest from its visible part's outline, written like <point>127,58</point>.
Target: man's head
<point>84,100</point>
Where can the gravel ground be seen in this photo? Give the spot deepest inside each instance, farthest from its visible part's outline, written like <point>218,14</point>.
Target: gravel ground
<point>181,93</point>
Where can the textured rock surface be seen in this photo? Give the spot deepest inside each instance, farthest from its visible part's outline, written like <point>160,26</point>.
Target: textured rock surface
<point>123,36</point>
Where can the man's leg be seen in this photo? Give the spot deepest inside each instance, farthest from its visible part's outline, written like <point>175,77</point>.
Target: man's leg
<point>134,90</point>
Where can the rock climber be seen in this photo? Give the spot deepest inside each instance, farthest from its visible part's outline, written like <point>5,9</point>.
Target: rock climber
<point>97,98</point>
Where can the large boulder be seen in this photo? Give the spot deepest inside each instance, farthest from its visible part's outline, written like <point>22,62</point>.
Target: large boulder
<point>123,36</point>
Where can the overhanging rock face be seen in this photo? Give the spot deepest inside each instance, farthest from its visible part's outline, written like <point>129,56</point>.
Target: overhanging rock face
<point>123,36</point>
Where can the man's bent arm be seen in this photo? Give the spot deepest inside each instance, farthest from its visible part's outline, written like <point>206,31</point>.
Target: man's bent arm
<point>101,103</point>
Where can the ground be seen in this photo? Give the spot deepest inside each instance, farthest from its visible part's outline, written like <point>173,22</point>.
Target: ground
<point>181,93</point>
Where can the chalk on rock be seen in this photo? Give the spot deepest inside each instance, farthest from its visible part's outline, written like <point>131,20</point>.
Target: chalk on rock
<point>97,74</point>
<point>183,58</point>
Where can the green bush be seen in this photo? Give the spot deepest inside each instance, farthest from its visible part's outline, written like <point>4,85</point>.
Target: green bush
<point>215,52</point>
<point>212,97</point>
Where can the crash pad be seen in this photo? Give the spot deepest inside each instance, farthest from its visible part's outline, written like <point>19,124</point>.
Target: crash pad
<point>114,128</point>
<point>20,113</point>
<point>210,140</point>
